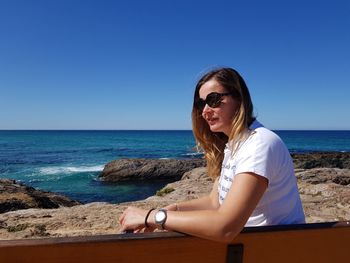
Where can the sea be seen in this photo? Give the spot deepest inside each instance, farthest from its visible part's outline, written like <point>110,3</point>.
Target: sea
<point>69,162</point>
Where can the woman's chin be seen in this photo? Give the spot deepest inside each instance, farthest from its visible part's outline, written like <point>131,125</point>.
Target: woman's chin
<point>215,128</point>
<point>220,128</point>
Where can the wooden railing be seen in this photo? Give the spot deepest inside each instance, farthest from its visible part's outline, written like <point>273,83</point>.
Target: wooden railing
<point>322,242</point>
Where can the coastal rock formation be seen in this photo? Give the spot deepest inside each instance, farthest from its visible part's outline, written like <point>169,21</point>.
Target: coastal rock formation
<point>325,194</point>
<point>321,159</point>
<point>15,196</point>
<point>123,170</point>
<point>95,218</point>
<point>322,202</point>
<point>194,184</point>
<point>324,175</point>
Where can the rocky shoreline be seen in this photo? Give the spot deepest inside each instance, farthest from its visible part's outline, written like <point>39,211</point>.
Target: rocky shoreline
<point>17,196</point>
<point>124,170</point>
<point>323,181</point>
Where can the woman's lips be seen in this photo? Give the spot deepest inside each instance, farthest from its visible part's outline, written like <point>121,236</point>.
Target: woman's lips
<point>212,121</point>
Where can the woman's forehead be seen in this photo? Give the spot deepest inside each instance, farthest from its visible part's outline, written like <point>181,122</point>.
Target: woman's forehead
<point>210,86</point>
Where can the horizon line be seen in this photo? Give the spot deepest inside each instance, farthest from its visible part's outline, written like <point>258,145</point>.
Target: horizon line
<point>158,129</point>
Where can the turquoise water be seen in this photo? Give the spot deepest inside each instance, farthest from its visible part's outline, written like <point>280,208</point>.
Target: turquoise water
<point>68,162</point>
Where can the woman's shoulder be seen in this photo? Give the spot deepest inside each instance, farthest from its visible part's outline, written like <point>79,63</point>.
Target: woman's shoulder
<point>264,145</point>
<point>262,135</point>
<point>258,130</point>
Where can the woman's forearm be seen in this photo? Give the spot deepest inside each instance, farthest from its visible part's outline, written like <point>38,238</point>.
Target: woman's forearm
<point>226,221</point>
<point>203,203</point>
<point>221,223</point>
<point>208,224</point>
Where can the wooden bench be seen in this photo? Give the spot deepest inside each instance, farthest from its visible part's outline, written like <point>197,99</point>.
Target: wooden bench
<point>319,242</point>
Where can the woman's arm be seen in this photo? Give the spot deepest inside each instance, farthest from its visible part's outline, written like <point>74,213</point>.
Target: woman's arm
<point>221,224</point>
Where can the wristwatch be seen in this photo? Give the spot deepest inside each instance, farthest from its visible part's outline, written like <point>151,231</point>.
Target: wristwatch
<point>160,218</point>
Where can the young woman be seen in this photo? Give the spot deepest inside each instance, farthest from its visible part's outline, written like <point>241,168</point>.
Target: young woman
<point>253,171</point>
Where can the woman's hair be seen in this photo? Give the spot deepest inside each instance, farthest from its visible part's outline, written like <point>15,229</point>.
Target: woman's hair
<point>213,143</point>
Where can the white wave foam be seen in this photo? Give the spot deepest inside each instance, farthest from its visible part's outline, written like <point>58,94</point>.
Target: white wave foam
<point>70,169</point>
<point>192,154</point>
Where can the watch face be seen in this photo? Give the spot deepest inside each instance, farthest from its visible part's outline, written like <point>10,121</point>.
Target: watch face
<point>160,216</point>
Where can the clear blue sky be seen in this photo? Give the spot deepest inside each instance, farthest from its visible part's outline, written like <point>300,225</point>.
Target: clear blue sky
<point>134,64</point>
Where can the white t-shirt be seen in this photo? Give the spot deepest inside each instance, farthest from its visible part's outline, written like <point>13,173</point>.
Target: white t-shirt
<point>265,154</point>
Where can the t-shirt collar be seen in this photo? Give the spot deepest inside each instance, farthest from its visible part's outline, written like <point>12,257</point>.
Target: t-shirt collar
<point>252,127</point>
<point>255,125</point>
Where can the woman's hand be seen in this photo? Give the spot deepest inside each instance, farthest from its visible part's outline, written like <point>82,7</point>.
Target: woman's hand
<point>133,218</point>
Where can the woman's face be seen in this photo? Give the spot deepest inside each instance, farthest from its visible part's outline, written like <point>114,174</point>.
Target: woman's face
<point>220,118</point>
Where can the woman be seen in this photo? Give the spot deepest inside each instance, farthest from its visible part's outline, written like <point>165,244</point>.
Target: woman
<point>254,177</point>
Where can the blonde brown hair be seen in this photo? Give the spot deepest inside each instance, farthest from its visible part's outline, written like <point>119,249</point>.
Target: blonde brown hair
<point>213,143</point>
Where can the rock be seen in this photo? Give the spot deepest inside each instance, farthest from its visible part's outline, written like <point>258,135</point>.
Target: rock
<point>194,184</point>
<point>325,202</point>
<point>322,202</point>
<point>342,180</point>
<point>322,159</point>
<point>15,196</point>
<point>196,173</point>
<point>325,195</point>
<point>324,175</point>
<point>79,220</point>
<point>123,170</point>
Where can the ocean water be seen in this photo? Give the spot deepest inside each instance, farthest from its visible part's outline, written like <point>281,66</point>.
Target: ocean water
<point>311,141</point>
<point>68,162</point>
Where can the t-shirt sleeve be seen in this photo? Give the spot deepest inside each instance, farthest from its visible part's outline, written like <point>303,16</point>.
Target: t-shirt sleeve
<point>256,157</point>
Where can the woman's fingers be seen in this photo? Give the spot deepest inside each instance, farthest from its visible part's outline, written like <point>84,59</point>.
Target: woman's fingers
<point>132,219</point>
<point>121,218</point>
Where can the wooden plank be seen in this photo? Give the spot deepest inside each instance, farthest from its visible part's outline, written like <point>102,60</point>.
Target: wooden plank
<point>310,245</point>
<point>325,242</point>
<point>172,249</point>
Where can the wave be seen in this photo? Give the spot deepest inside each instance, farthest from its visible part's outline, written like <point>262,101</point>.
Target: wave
<point>70,169</point>
<point>193,154</point>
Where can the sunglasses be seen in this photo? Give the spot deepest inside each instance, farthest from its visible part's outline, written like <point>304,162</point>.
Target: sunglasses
<point>213,100</point>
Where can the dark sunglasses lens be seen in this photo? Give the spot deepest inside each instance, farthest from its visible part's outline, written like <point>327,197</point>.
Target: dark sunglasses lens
<point>213,100</point>
<point>200,104</point>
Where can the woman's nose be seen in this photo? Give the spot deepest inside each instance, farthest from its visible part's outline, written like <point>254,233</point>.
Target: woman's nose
<point>206,110</point>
